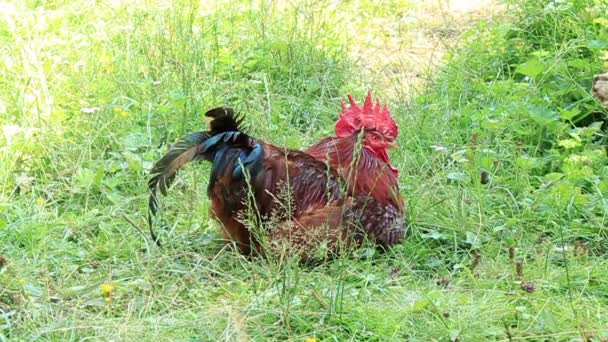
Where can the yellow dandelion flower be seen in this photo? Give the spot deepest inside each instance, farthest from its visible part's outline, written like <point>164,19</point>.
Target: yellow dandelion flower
<point>117,109</point>
<point>606,64</point>
<point>311,339</point>
<point>106,288</point>
<point>124,113</point>
<point>40,201</point>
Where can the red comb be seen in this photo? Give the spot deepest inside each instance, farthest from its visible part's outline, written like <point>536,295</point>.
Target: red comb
<point>370,117</point>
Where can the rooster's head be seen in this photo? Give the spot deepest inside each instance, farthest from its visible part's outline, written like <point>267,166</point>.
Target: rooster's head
<point>380,130</point>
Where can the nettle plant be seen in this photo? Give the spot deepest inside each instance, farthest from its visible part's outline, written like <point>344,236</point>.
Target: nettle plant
<point>569,157</point>
<point>519,95</point>
<point>578,179</point>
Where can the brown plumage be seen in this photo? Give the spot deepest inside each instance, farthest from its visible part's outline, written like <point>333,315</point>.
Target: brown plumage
<point>297,199</point>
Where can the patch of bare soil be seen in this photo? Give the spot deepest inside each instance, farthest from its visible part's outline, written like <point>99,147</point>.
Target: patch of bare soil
<point>404,49</point>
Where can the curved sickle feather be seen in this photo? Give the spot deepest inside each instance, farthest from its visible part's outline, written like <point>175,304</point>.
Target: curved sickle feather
<point>164,171</point>
<point>189,148</point>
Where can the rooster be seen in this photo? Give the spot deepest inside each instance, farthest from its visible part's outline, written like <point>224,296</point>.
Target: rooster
<point>299,194</point>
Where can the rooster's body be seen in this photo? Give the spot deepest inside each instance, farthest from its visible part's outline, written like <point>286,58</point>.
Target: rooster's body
<point>252,181</point>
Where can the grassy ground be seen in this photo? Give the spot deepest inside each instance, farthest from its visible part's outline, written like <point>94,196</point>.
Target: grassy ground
<point>506,198</point>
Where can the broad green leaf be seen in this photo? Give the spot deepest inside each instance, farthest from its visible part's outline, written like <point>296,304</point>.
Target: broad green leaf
<point>553,176</point>
<point>458,176</point>
<point>569,143</point>
<point>532,68</point>
<point>473,240</point>
<point>526,162</point>
<point>543,116</point>
<point>578,63</point>
<point>435,235</point>
<point>568,114</point>
<point>85,177</point>
<point>133,162</point>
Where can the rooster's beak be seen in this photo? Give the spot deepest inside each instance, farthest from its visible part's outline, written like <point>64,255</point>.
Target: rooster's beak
<point>391,144</point>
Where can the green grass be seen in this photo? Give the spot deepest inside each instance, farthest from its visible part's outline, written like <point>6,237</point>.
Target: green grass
<point>92,91</point>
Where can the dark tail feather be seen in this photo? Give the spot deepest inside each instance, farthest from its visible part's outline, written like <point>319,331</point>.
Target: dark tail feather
<point>163,172</point>
<point>224,120</point>
<point>225,126</point>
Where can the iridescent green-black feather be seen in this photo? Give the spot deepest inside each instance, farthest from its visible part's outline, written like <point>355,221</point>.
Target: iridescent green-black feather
<point>164,171</point>
<point>225,131</point>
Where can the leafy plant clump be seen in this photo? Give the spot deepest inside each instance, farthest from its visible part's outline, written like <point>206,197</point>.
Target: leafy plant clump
<point>518,94</point>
